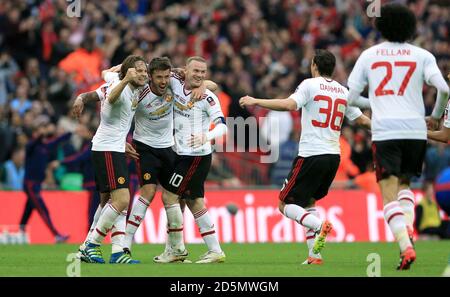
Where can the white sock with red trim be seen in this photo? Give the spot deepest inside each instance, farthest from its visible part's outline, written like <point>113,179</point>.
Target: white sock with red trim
<point>311,235</point>
<point>136,217</point>
<point>395,218</point>
<point>175,224</point>
<point>168,248</point>
<point>301,216</point>
<point>94,221</point>
<point>206,227</point>
<point>118,233</point>
<point>407,204</point>
<point>104,224</point>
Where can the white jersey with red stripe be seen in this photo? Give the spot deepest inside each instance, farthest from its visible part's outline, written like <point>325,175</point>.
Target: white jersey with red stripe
<point>192,118</point>
<point>154,116</point>
<point>115,119</point>
<point>324,105</point>
<point>395,73</point>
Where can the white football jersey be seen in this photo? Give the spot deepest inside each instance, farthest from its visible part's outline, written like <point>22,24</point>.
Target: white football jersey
<point>154,116</point>
<point>395,73</point>
<point>115,119</point>
<point>193,118</point>
<point>324,105</point>
<point>446,119</point>
<point>154,119</point>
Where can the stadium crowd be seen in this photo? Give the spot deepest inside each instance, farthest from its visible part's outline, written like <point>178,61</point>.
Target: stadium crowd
<point>252,47</point>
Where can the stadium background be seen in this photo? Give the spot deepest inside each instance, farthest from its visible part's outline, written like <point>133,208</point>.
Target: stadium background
<point>261,48</point>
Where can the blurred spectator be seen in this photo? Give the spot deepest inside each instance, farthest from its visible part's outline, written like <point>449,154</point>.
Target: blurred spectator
<point>437,158</point>
<point>13,171</point>
<point>288,152</point>
<point>8,69</point>
<point>367,181</point>
<point>21,103</point>
<point>221,174</point>
<point>428,221</point>
<point>443,190</point>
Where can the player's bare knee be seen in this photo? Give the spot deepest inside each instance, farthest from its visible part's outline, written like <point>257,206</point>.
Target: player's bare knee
<point>195,205</point>
<point>148,192</point>
<point>169,198</point>
<point>120,198</point>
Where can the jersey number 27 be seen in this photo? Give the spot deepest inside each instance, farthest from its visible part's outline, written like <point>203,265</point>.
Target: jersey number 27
<point>380,91</point>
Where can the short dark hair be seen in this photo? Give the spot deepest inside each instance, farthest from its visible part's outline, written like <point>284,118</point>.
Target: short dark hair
<point>159,63</point>
<point>325,62</point>
<point>396,23</point>
<point>128,63</point>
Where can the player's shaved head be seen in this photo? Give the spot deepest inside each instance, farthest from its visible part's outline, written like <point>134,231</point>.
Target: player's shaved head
<point>325,62</point>
<point>397,22</point>
<point>195,58</point>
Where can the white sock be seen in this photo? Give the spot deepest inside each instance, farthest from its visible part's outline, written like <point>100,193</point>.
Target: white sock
<point>175,223</point>
<point>104,224</point>
<point>301,216</point>
<point>94,221</point>
<point>118,233</point>
<point>407,204</point>
<point>137,215</point>
<point>311,235</point>
<point>206,227</point>
<point>167,248</point>
<point>395,218</point>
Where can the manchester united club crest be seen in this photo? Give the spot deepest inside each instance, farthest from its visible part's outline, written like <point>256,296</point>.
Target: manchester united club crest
<point>168,97</point>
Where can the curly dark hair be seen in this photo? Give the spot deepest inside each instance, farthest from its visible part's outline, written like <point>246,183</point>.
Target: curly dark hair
<point>129,62</point>
<point>397,22</point>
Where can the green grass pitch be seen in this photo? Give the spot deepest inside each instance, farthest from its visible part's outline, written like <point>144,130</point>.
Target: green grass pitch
<point>269,259</point>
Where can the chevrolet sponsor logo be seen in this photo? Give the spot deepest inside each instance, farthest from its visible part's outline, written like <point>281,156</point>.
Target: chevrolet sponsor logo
<point>160,111</point>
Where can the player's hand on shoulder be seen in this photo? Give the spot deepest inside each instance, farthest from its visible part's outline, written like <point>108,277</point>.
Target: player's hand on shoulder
<point>181,72</point>
<point>197,93</point>
<point>247,101</point>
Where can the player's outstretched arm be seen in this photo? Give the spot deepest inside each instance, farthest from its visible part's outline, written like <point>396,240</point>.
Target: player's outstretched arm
<point>439,83</point>
<point>286,104</point>
<point>442,135</point>
<point>81,100</point>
